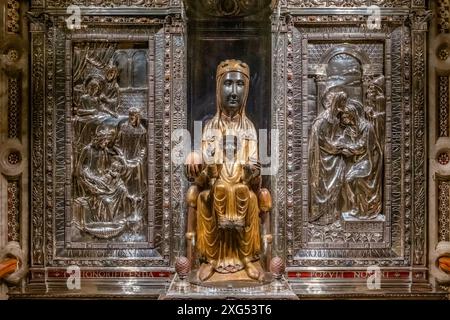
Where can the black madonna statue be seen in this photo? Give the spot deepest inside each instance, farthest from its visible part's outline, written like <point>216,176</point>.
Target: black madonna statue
<point>228,210</point>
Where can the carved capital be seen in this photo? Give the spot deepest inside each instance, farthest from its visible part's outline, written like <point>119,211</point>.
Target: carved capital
<point>419,20</point>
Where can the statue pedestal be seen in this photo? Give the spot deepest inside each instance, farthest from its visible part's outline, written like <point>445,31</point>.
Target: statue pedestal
<point>233,289</point>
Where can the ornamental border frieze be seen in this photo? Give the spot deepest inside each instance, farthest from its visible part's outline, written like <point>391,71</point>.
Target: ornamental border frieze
<point>341,19</point>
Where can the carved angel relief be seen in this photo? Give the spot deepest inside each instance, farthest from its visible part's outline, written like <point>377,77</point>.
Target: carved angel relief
<point>109,129</point>
<point>346,145</point>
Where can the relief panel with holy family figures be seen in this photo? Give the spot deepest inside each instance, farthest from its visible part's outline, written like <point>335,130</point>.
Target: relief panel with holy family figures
<point>346,143</point>
<point>109,132</point>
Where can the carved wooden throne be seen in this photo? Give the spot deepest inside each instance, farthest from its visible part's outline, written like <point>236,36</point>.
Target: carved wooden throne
<point>264,205</point>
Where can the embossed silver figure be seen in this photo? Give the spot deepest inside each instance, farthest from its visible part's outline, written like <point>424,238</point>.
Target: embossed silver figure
<point>346,162</point>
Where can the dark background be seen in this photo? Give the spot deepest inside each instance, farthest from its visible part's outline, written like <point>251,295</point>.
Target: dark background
<point>214,41</point>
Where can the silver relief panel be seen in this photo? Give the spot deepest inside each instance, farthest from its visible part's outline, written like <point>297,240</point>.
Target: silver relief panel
<point>347,142</point>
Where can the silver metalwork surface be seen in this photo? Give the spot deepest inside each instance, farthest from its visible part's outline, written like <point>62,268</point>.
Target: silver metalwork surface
<point>359,101</point>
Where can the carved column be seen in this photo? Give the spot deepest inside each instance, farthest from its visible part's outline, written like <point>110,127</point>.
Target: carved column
<point>13,126</point>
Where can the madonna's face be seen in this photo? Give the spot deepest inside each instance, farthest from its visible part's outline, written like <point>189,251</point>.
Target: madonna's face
<point>232,92</point>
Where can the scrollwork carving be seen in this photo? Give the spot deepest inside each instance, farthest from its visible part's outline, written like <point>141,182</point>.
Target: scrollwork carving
<point>443,210</point>
<point>179,122</point>
<point>418,3</point>
<point>92,21</point>
<point>356,19</point>
<point>167,87</point>
<point>48,129</point>
<point>37,3</point>
<point>279,99</point>
<point>403,38</point>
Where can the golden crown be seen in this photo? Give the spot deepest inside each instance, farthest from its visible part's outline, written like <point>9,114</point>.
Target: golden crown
<point>233,65</point>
